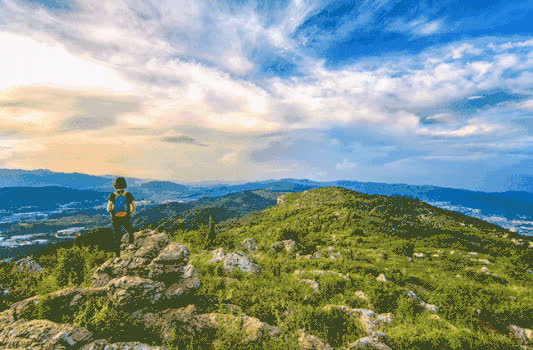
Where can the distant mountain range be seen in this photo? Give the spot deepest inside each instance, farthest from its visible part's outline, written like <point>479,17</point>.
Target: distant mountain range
<point>512,209</point>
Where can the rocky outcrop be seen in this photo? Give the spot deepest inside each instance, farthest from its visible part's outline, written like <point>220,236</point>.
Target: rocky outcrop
<point>153,270</point>
<point>150,274</point>
<point>232,261</point>
<point>187,321</point>
<point>41,334</point>
<point>28,265</point>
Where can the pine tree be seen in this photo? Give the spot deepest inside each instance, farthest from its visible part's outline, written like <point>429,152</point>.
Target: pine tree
<point>211,234</point>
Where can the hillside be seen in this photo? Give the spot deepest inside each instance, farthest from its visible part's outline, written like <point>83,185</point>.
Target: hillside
<point>322,269</point>
<point>175,216</point>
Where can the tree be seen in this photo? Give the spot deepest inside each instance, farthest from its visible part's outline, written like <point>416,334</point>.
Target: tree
<point>211,234</point>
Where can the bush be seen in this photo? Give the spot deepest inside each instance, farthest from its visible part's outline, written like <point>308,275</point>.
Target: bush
<point>404,248</point>
<point>107,321</point>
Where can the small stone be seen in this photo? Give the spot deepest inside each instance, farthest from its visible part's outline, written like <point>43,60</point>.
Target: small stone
<point>381,278</point>
<point>361,295</point>
<point>311,283</point>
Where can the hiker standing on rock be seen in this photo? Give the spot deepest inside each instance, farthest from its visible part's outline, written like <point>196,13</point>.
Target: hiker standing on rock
<point>121,205</point>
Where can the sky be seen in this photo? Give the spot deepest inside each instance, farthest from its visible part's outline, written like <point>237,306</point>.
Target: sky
<point>417,92</point>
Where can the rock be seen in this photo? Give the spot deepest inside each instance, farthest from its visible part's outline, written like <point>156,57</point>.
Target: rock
<point>186,320</point>
<point>418,255</point>
<point>430,307</point>
<point>168,265</point>
<point>484,269</point>
<point>370,342</point>
<point>42,334</point>
<point>361,295</point>
<point>524,335</point>
<point>484,261</point>
<point>151,246</point>
<point>104,345</point>
<point>472,253</point>
<point>381,278</point>
<point>5,291</point>
<point>189,282</point>
<point>218,255</point>
<point>316,255</point>
<point>135,292</point>
<point>311,283</point>
<point>311,342</point>
<point>288,245</point>
<point>249,244</point>
<point>64,301</point>
<point>239,261</point>
<point>28,265</point>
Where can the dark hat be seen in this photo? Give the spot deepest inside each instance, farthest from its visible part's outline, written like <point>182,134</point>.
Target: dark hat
<point>120,183</point>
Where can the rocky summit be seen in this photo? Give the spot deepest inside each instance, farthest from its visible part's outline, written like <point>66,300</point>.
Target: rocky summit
<point>149,275</point>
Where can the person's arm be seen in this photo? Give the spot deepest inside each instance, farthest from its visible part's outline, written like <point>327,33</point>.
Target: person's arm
<point>132,207</point>
<point>110,207</point>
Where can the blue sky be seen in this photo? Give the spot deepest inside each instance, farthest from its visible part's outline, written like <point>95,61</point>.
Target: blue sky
<point>420,92</point>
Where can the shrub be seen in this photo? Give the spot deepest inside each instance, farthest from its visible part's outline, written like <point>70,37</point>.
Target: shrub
<point>404,248</point>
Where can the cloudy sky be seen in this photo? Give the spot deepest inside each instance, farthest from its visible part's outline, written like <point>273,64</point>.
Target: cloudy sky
<point>419,92</point>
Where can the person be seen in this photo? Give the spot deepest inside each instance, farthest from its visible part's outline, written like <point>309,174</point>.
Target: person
<point>121,206</point>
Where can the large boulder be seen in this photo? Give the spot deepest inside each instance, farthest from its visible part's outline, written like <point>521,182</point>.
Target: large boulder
<point>135,292</point>
<point>524,335</point>
<point>234,260</point>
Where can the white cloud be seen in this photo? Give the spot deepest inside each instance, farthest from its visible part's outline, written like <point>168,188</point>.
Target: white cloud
<point>25,61</point>
<point>418,27</point>
<point>345,165</point>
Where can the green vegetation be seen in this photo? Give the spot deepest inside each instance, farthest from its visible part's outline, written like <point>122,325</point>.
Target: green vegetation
<point>476,274</point>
